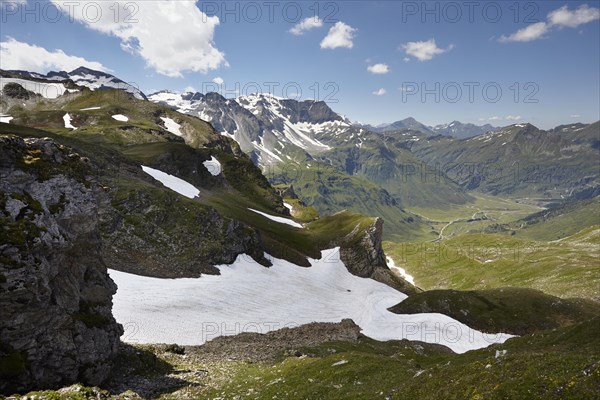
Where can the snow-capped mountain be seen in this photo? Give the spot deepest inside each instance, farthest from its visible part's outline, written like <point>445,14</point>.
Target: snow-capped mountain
<point>82,76</point>
<point>404,124</point>
<point>268,128</point>
<point>458,130</point>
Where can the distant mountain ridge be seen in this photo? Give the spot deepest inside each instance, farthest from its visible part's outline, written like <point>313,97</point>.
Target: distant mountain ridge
<point>82,76</point>
<point>458,130</point>
<point>455,129</point>
<point>520,160</point>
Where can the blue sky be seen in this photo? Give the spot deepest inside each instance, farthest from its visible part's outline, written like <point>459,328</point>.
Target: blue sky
<point>544,56</point>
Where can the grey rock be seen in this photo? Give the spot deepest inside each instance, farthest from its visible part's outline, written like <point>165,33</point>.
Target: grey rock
<point>56,325</point>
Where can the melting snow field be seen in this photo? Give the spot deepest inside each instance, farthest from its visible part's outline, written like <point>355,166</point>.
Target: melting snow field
<point>172,182</point>
<point>213,166</point>
<point>281,220</point>
<point>172,126</point>
<point>67,119</point>
<point>120,117</point>
<point>5,118</point>
<point>248,297</point>
<point>401,271</point>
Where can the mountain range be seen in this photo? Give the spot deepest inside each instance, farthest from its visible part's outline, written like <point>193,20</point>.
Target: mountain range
<point>455,129</point>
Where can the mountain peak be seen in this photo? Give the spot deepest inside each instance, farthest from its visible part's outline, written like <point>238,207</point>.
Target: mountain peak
<point>89,71</point>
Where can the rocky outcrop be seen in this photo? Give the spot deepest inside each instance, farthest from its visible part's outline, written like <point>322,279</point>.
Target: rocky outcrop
<point>362,253</point>
<point>56,325</point>
<point>260,347</point>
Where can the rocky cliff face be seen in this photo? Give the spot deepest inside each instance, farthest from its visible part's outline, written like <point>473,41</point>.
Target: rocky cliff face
<point>363,255</point>
<point>56,325</point>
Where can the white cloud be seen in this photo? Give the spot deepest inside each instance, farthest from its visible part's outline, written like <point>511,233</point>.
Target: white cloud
<point>424,50</point>
<point>406,59</point>
<point>171,36</point>
<point>513,117</point>
<point>575,115</point>
<point>527,34</point>
<point>218,80</point>
<point>380,92</point>
<point>189,89</point>
<point>339,35</point>
<point>572,19</point>
<point>559,18</point>
<point>494,118</point>
<point>378,68</point>
<point>24,56</point>
<point>306,24</point>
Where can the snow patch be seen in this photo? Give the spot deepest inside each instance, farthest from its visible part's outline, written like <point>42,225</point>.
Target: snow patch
<point>172,126</point>
<point>213,166</point>
<point>341,362</point>
<point>90,108</point>
<point>6,119</point>
<point>67,119</point>
<point>288,206</point>
<point>172,182</point>
<point>409,278</point>
<point>120,117</point>
<point>281,220</point>
<point>249,297</point>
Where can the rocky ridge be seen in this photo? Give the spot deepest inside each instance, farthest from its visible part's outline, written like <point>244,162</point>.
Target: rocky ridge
<point>55,293</point>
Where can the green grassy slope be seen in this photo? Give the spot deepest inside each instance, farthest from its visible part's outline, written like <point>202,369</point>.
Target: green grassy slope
<point>511,310</point>
<point>560,222</point>
<point>553,364</point>
<point>480,261</point>
<point>329,191</point>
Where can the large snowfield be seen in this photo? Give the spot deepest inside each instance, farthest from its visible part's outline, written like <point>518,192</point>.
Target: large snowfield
<point>248,297</point>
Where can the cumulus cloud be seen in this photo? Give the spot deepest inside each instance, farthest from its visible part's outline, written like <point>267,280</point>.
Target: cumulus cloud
<point>380,92</point>
<point>527,34</point>
<point>559,18</point>
<point>424,50</point>
<point>171,36</point>
<point>218,80</point>
<point>339,35</point>
<point>378,68</point>
<point>29,57</point>
<point>572,19</point>
<point>513,117</point>
<point>306,24</point>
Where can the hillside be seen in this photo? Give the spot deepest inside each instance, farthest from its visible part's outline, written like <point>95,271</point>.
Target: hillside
<point>517,161</point>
